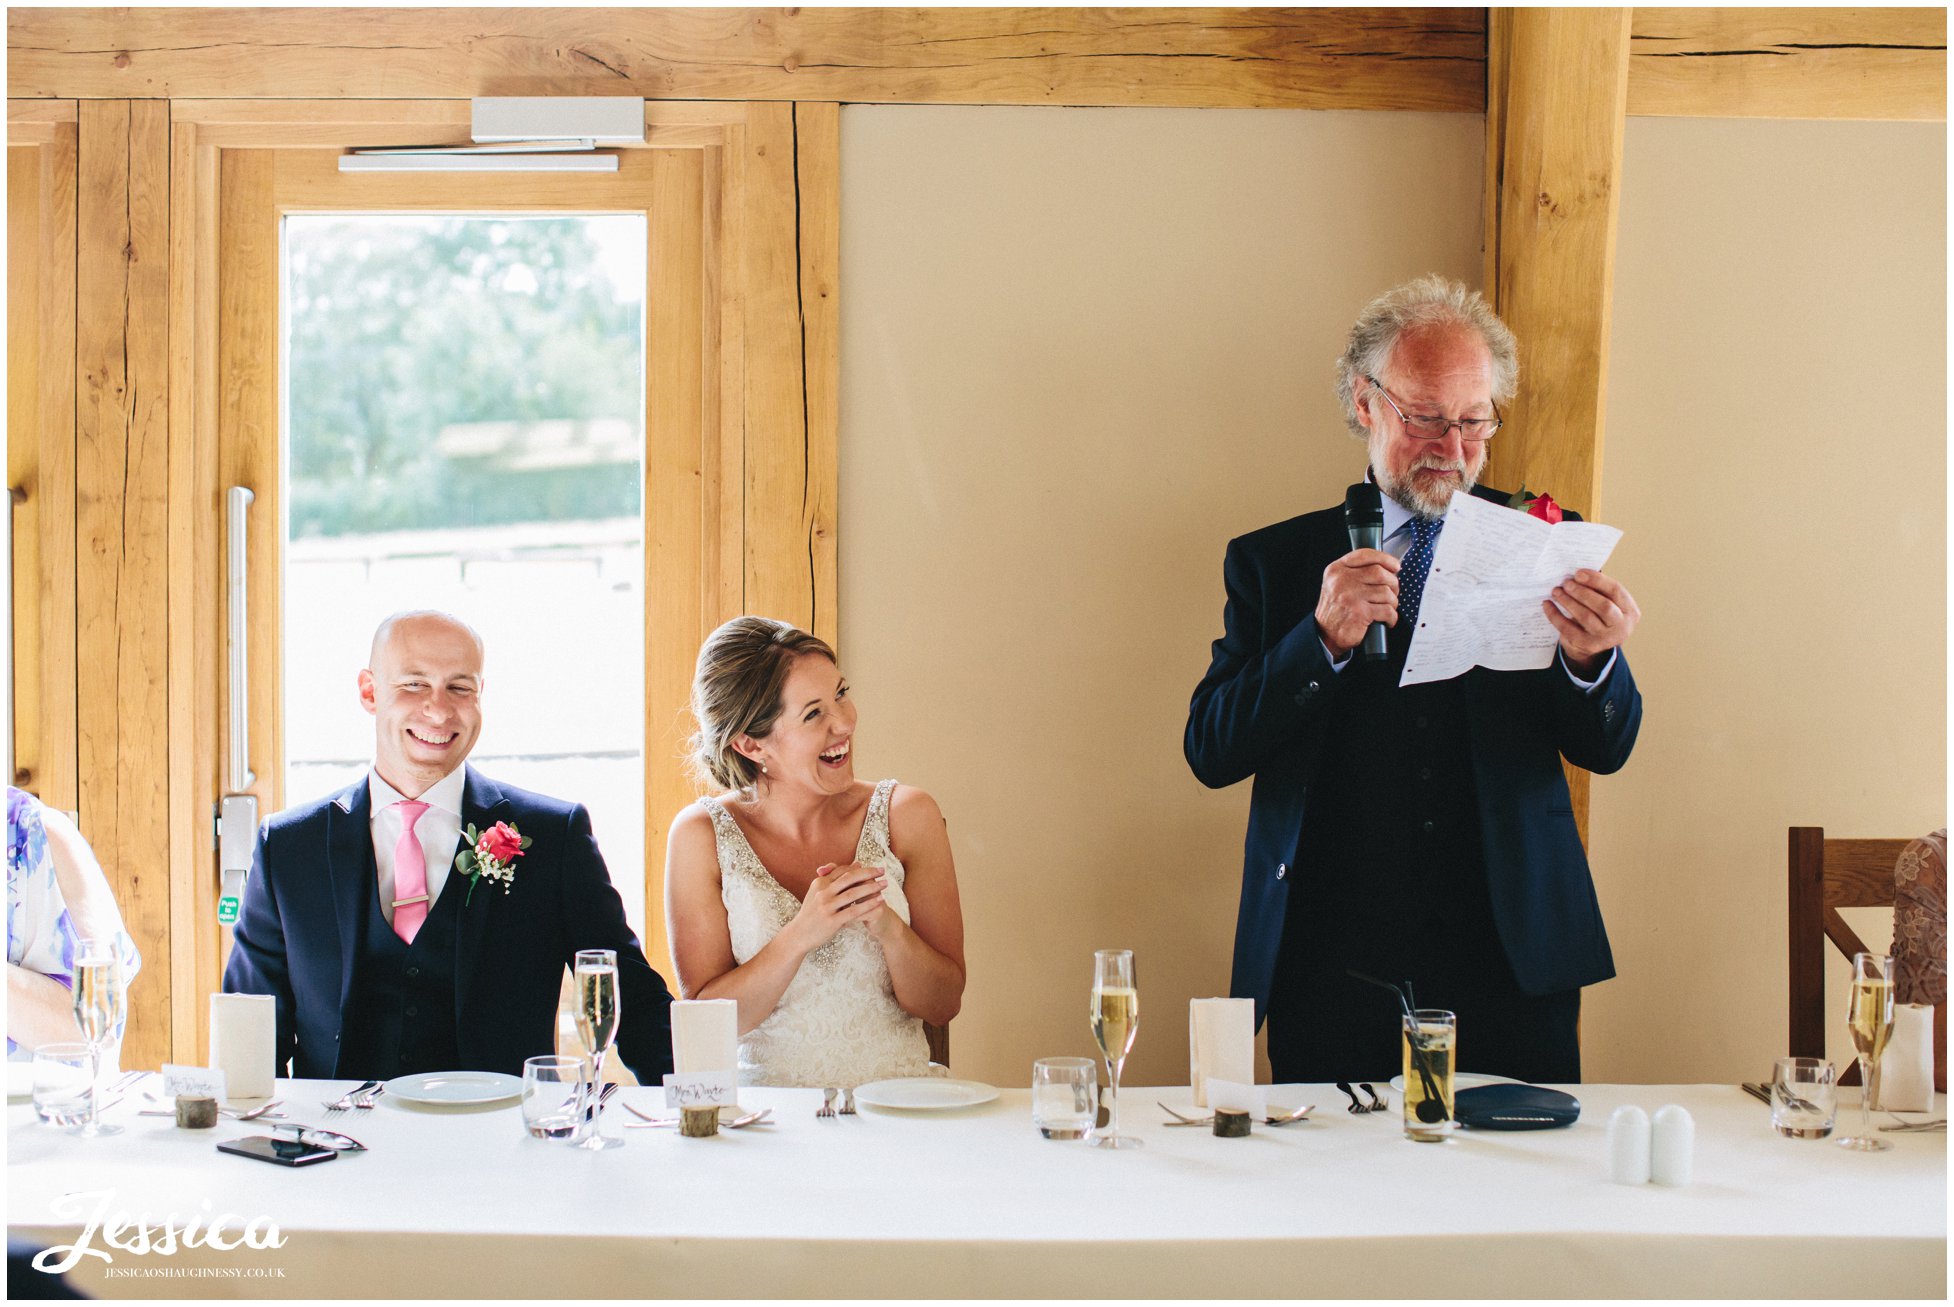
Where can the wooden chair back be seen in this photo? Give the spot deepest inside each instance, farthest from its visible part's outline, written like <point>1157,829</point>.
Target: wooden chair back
<point>1827,875</point>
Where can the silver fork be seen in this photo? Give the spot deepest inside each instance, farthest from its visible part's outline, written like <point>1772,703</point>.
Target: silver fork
<point>234,1114</point>
<point>115,1092</point>
<point>369,1098</point>
<point>1904,1126</point>
<point>848,1102</point>
<point>1179,1119</point>
<point>1290,1118</point>
<point>645,1122</point>
<point>345,1100</point>
<point>1378,1104</point>
<point>827,1108</point>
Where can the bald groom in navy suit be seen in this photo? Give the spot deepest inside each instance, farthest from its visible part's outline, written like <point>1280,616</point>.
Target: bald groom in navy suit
<point>384,960</point>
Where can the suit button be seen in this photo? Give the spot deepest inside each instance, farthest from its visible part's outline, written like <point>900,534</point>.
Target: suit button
<point>1429,828</point>
<point>414,1011</point>
<point>1608,712</point>
<point>1424,774</point>
<point>413,971</point>
<point>1314,687</point>
<point>1282,870</point>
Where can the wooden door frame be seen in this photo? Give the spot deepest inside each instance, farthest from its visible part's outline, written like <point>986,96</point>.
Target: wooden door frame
<point>41,453</point>
<point>742,520</point>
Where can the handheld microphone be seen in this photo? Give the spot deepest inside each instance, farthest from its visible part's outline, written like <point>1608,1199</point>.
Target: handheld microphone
<point>1363,517</point>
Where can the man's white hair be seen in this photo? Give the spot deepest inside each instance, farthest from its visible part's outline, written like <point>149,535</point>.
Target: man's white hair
<point>1428,301</point>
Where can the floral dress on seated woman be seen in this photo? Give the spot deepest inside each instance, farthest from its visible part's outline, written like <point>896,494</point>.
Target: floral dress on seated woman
<point>43,934</point>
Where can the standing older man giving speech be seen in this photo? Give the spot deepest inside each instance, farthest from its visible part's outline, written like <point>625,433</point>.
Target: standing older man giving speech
<point>1421,831</point>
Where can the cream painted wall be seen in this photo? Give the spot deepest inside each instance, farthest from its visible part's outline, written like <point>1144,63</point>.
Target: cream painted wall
<point>1081,349</point>
<point>1777,454</point>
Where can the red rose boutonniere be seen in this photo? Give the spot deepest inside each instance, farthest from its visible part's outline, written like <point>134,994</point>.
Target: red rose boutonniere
<point>490,854</point>
<point>1540,506</point>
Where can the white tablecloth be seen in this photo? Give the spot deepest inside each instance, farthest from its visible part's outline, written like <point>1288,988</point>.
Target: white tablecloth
<point>973,1203</point>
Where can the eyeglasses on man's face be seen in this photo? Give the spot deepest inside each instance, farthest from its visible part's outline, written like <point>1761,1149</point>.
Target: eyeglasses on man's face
<point>1429,426</point>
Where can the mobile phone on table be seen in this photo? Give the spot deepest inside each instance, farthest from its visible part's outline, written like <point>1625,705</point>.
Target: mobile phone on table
<point>279,1152</point>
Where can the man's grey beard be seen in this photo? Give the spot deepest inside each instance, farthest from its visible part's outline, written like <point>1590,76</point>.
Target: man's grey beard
<point>1415,499</point>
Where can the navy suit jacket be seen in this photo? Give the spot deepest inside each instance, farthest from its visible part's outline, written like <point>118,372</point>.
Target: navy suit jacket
<point>1260,711</point>
<point>298,933</point>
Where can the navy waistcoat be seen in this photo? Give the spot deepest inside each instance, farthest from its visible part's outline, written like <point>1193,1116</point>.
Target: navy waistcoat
<point>401,1016</point>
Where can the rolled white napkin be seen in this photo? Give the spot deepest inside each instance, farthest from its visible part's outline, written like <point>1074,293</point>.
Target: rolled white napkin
<point>1221,1043</point>
<point>1906,1069</point>
<point>705,1035</point>
<point>243,1035</point>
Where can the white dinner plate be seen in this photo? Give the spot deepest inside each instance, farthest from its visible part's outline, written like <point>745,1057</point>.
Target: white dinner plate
<point>456,1088</point>
<point>1465,1080</point>
<point>20,1081</point>
<point>924,1094</point>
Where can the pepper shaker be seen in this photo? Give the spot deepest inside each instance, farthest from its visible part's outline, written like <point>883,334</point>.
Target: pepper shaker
<point>1673,1154</point>
<point>1628,1146</point>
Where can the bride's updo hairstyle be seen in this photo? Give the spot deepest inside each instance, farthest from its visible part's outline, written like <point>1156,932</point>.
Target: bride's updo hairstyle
<point>736,691</point>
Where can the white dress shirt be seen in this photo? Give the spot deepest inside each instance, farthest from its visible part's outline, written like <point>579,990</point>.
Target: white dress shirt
<point>1397,543</point>
<point>439,831</point>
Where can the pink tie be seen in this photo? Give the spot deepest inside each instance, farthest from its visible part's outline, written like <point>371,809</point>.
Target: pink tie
<point>410,874</point>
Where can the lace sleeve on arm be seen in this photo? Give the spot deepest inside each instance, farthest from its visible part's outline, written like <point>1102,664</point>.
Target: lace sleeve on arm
<point>1920,920</point>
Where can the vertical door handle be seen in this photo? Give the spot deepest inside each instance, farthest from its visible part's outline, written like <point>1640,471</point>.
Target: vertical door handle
<point>241,775</point>
<point>237,824</point>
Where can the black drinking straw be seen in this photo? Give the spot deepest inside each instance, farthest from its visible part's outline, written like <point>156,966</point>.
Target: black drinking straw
<point>1430,1108</point>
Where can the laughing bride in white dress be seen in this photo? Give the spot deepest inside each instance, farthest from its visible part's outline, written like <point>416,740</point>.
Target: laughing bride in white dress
<point>825,905</point>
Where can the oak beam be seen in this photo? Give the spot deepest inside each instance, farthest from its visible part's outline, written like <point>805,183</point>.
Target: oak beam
<point>41,162</point>
<point>792,199</point>
<point>1789,63</point>
<point>122,572</point>
<point>196,590</point>
<point>1558,90</point>
<point>678,387</point>
<point>817,181</point>
<point>1428,59</point>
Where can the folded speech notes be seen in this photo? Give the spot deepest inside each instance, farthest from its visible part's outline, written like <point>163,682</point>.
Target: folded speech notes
<point>1492,569</point>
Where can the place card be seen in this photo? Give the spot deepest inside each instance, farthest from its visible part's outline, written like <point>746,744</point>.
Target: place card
<point>702,1089</point>
<point>192,1081</point>
<point>1238,1097</point>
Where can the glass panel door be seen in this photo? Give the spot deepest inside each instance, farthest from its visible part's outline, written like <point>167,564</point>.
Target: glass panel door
<point>463,425</point>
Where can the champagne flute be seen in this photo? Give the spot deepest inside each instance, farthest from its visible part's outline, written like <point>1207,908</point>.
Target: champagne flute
<point>100,1004</point>
<point>597,1001</point>
<point>1871,1017</point>
<point>1115,1019</point>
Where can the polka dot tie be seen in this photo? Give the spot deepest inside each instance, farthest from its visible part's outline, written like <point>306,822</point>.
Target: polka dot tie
<point>1417,565</point>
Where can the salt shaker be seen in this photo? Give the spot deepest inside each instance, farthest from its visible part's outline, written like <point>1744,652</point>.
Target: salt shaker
<point>1673,1152</point>
<point>1628,1146</point>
